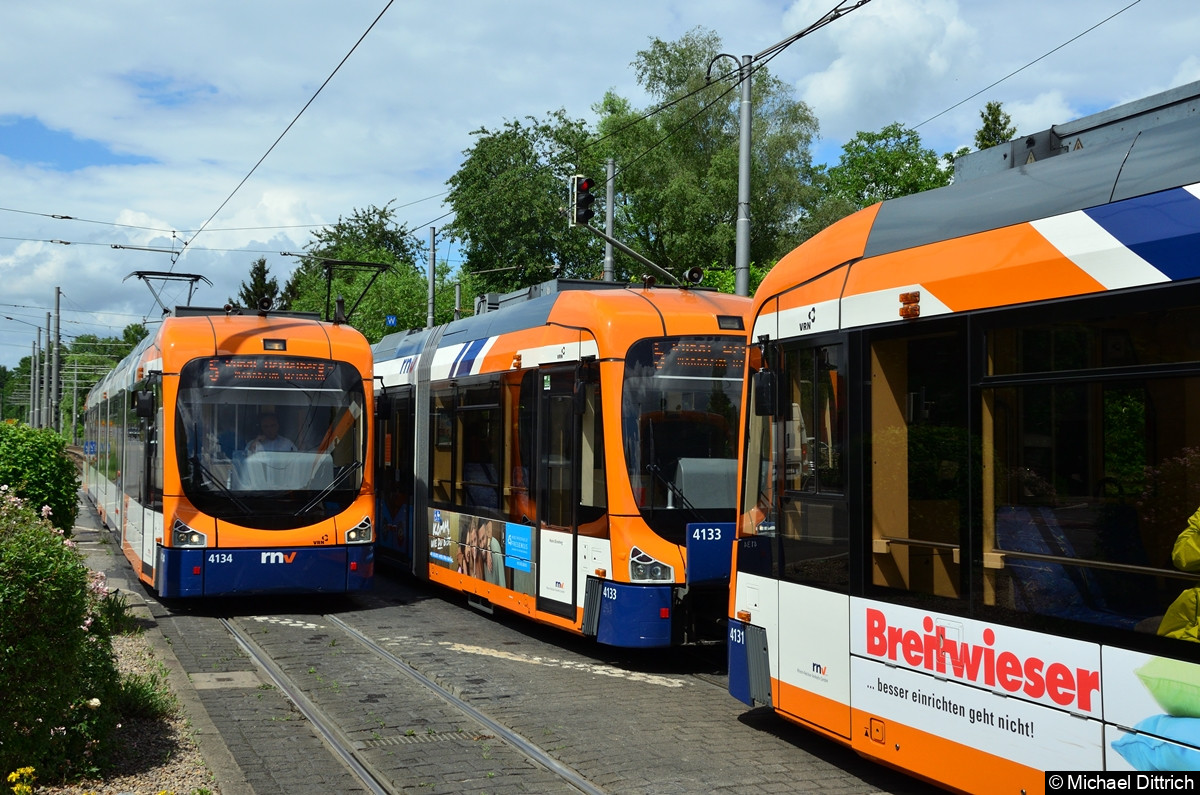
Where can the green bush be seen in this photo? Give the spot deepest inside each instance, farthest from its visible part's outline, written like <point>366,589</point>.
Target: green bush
<point>58,674</point>
<point>34,463</point>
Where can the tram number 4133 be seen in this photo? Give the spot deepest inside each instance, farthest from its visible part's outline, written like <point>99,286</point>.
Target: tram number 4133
<point>707,534</point>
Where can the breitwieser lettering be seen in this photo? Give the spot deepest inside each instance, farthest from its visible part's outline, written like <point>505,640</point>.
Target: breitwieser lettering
<point>978,664</point>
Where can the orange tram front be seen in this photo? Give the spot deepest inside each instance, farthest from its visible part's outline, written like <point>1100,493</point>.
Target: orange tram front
<point>230,452</point>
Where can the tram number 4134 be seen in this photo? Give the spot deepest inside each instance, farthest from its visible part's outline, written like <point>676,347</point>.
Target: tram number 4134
<point>707,534</point>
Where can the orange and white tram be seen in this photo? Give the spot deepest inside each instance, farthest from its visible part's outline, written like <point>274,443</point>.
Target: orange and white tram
<point>964,545</point>
<point>570,455</point>
<point>232,453</point>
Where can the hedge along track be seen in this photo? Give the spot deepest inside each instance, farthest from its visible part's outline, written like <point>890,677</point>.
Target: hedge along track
<point>354,755</point>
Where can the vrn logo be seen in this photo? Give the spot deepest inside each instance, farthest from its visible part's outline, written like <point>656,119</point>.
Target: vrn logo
<point>278,557</point>
<point>820,670</point>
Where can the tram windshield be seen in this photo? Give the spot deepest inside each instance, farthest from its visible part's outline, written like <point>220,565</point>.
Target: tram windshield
<point>680,407</point>
<point>270,442</point>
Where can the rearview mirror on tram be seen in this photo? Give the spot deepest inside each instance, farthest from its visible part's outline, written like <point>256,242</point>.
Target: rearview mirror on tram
<point>764,393</point>
<point>144,403</point>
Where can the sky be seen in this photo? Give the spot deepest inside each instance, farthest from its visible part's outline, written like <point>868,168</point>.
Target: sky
<point>139,124</point>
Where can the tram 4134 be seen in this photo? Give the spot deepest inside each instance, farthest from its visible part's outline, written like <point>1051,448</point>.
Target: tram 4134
<point>232,455</point>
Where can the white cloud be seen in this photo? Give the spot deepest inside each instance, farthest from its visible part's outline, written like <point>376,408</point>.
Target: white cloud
<point>203,89</point>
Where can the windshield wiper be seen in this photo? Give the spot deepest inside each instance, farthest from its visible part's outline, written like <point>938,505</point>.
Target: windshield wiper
<point>217,482</point>
<point>357,465</point>
<point>654,469</point>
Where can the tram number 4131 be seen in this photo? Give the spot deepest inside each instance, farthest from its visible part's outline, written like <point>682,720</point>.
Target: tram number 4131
<point>707,534</point>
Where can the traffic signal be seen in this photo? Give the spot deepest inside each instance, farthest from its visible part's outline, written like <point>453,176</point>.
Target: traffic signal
<point>582,199</point>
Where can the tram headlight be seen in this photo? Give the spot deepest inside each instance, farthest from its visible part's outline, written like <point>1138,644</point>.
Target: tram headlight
<point>184,536</point>
<point>361,533</point>
<point>644,568</point>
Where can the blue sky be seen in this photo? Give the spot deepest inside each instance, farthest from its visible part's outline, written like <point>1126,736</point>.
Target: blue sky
<point>27,140</point>
<point>138,119</point>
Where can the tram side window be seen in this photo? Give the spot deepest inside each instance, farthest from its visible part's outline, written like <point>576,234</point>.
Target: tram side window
<point>593,488</point>
<point>481,442</point>
<point>1090,480</point>
<point>441,442</point>
<point>920,448</point>
<point>395,462</point>
<point>467,448</point>
<point>155,439</point>
<point>759,484</point>
<point>814,541</point>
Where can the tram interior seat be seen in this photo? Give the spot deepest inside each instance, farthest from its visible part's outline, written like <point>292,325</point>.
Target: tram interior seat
<point>1046,587</point>
<point>269,471</point>
<point>480,482</point>
<point>707,482</point>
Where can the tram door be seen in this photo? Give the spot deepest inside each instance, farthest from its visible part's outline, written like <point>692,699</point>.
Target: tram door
<point>558,492</point>
<point>813,535</point>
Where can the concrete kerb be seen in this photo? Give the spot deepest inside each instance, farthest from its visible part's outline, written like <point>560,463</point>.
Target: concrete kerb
<point>90,535</point>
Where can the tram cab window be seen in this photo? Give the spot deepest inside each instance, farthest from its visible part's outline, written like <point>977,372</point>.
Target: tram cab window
<point>236,464</point>
<point>920,449</point>
<point>680,406</point>
<point>1091,467</point>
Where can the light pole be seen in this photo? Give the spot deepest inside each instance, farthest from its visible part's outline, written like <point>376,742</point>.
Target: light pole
<point>745,74</point>
<point>34,374</point>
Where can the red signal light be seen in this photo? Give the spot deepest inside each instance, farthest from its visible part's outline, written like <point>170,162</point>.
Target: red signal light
<point>581,200</point>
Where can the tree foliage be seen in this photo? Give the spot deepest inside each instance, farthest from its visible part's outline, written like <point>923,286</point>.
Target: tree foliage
<point>371,236</point>
<point>676,191</point>
<point>876,166</point>
<point>261,285</point>
<point>508,198</point>
<point>996,127</point>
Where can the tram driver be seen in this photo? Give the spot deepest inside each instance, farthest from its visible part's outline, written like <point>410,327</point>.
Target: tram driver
<point>268,439</point>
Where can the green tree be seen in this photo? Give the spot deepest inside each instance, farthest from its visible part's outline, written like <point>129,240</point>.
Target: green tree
<point>876,166</point>
<point>85,360</point>
<point>677,169</point>
<point>370,235</point>
<point>262,285</point>
<point>996,126</point>
<point>508,198</point>
<point>131,335</point>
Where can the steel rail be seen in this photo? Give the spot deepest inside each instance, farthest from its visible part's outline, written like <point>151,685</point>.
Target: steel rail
<point>533,752</point>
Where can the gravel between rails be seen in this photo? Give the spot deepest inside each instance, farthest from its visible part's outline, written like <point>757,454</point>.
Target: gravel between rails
<point>153,756</point>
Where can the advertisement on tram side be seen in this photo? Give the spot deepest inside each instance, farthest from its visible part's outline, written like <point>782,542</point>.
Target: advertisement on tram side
<point>1154,703</point>
<point>1041,701</point>
<point>491,550</point>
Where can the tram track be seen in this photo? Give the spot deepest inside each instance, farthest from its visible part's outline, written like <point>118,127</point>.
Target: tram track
<point>360,758</point>
<point>338,743</point>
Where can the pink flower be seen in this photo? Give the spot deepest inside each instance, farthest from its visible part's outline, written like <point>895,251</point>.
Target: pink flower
<point>46,511</point>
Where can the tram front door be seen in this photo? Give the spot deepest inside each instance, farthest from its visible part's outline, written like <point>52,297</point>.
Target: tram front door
<point>558,492</point>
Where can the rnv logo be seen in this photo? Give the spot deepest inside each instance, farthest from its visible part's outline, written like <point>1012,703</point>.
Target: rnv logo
<point>278,557</point>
